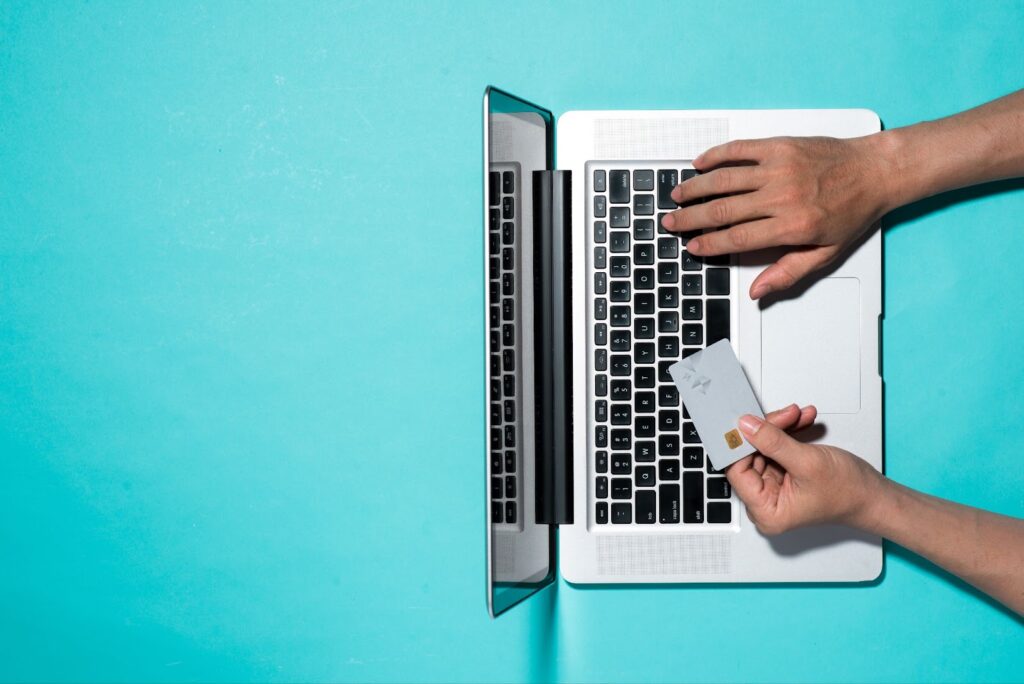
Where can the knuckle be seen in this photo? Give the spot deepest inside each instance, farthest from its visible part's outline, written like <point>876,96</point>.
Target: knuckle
<point>720,211</point>
<point>740,238</point>
<point>723,179</point>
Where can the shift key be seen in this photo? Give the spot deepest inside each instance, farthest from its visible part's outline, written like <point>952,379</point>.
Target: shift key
<point>693,497</point>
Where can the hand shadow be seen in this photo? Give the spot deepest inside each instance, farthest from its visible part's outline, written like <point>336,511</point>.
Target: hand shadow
<point>912,212</point>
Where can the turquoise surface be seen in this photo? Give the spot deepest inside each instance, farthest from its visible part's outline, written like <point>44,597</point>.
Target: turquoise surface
<point>240,339</point>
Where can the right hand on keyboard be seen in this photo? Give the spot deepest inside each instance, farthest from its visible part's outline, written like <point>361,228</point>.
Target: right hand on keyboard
<point>816,195</point>
<point>791,484</point>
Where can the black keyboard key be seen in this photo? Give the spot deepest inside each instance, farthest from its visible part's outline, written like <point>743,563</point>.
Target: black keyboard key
<point>601,487</point>
<point>719,512</point>
<point>509,406</point>
<point>692,284</point>
<point>661,228</point>
<point>643,279</point>
<point>689,173</point>
<point>622,414</point>
<point>644,352</point>
<point>668,445</point>
<point>691,263</point>
<point>600,206</point>
<point>509,383</point>
<point>601,360</point>
<point>510,436</point>
<point>622,488</point>
<point>693,457</point>
<point>508,233</point>
<point>643,329</point>
<point>496,291</point>
<point>621,340</point>
<point>619,242</point>
<point>497,487</point>
<point>667,179</point>
<point>622,365</point>
<point>663,374</point>
<point>643,254</point>
<point>496,512</point>
<point>693,497</point>
<point>718,281</point>
<point>643,205</point>
<point>668,321</point>
<point>601,411</point>
<point>693,309</point>
<point>645,506</point>
<point>510,486</point>
<point>620,291</point>
<point>643,180</point>
<point>621,390</point>
<point>668,420</point>
<point>643,229</point>
<point>600,257</point>
<point>668,346</point>
<point>645,476</point>
<point>668,395</point>
<point>644,452</point>
<point>508,208</point>
<point>622,438</point>
<point>690,434</point>
<point>718,320</point>
<point>620,317</point>
<point>693,334</point>
<point>495,243</point>
<point>601,461</point>
<point>618,187</point>
<point>508,334</point>
<point>644,401</point>
<point>508,183</point>
<point>668,273</point>
<point>619,217</point>
<point>495,317</point>
<point>718,488</point>
<point>644,426</point>
<point>495,215</point>
<point>621,464</point>
<point>644,302</point>
<point>495,389</point>
<point>508,284</point>
<point>493,190</point>
<point>601,436</point>
<point>622,513</point>
<point>668,248</point>
<point>601,334</point>
<point>668,297</point>
<point>510,511</point>
<point>668,469</point>
<point>620,267</point>
<point>510,461</point>
<point>601,309</point>
<point>668,508</point>
<point>645,376</point>
<point>496,413</point>
<point>507,309</point>
<point>601,514</point>
<point>495,438</point>
<point>600,231</point>
<point>495,268</point>
<point>599,180</point>
<point>601,385</point>
<point>600,283</point>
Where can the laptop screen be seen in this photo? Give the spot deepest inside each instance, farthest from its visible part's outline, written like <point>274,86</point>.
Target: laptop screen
<point>518,141</point>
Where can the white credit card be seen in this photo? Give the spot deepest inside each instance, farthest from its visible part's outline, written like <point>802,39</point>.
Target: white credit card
<point>716,393</point>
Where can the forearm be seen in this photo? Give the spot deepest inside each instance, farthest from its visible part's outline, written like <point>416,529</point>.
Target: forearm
<point>984,549</point>
<point>980,145</point>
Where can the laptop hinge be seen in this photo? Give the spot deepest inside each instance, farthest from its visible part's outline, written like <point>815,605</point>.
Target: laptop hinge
<point>552,211</point>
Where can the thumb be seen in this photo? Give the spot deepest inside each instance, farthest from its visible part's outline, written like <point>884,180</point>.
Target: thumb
<point>791,268</point>
<point>771,441</point>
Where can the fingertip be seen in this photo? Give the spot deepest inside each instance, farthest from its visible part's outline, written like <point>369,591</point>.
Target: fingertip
<point>750,424</point>
<point>694,245</point>
<point>668,221</point>
<point>758,290</point>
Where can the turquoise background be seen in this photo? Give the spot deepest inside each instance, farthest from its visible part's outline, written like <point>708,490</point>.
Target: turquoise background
<point>240,338</point>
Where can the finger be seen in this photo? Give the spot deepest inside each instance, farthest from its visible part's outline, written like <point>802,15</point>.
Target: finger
<point>788,270</point>
<point>746,482</point>
<point>774,473</point>
<point>785,418</point>
<point>771,441</point>
<point>744,237</point>
<point>736,150</point>
<point>724,181</point>
<point>759,464</point>
<point>808,414</point>
<point>715,214</point>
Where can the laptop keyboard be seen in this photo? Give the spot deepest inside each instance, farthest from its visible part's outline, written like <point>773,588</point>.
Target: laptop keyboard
<point>651,304</point>
<point>504,376</point>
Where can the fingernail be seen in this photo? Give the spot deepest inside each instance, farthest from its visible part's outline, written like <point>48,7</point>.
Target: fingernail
<point>676,194</point>
<point>668,221</point>
<point>693,246</point>
<point>750,424</point>
<point>698,160</point>
<point>759,291</point>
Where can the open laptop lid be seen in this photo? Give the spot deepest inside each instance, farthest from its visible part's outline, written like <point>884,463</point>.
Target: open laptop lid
<point>518,141</point>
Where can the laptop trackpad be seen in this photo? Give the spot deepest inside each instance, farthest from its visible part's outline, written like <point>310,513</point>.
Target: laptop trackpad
<point>810,348</point>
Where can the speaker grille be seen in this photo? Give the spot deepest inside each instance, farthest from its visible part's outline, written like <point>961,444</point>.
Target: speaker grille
<point>657,138</point>
<point>657,554</point>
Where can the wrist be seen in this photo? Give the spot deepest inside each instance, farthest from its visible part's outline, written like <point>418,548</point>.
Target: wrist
<point>874,504</point>
<point>891,173</point>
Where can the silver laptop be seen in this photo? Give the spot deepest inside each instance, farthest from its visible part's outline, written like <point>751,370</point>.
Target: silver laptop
<point>593,467</point>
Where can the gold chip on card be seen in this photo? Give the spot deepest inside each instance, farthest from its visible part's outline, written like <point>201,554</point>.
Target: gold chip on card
<point>733,439</point>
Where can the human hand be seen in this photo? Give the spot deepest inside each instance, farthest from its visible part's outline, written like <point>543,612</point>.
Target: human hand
<point>816,195</point>
<point>790,484</point>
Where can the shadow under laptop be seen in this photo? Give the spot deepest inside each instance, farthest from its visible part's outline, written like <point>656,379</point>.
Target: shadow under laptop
<point>543,651</point>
